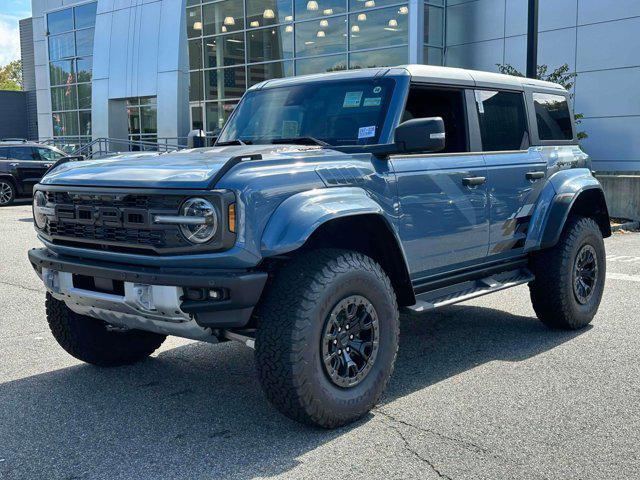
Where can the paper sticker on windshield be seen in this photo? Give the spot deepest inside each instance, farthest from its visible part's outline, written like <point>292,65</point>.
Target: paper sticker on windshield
<point>290,129</point>
<point>352,100</point>
<point>367,132</point>
<point>372,102</point>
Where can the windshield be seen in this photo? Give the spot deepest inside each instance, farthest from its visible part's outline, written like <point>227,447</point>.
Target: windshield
<point>346,112</point>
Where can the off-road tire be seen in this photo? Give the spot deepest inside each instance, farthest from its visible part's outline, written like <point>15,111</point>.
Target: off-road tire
<point>291,319</point>
<point>4,185</point>
<point>552,291</point>
<point>88,339</point>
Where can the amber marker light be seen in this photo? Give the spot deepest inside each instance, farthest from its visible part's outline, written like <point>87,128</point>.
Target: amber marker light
<point>232,217</point>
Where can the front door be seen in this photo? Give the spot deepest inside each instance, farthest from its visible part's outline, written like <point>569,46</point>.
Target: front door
<point>514,170</point>
<point>443,211</point>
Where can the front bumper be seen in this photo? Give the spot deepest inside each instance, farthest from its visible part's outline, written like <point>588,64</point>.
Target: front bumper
<point>241,288</point>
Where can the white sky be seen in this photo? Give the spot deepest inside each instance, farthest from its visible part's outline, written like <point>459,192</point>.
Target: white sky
<point>9,37</point>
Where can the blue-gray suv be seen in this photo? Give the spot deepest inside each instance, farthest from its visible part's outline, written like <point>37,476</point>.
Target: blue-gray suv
<point>329,204</point>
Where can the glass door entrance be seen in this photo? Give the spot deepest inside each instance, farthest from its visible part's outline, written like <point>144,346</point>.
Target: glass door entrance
<point>142,114</point>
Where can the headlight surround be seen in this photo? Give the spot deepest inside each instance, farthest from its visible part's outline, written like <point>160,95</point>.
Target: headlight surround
<point>39,203</point>
<point>200,220</point>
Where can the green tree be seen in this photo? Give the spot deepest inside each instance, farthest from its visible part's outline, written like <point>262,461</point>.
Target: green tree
<point>11,76</point>
<point>561,75</point>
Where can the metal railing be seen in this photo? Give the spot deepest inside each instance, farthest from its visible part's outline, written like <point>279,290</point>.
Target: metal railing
<point>103,147</point>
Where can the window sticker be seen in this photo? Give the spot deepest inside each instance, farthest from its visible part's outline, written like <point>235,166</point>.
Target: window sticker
<point>290,129</point>
<point>377,89</point>
<point>372,102</point>
<point>352,100</point>
<point>367,132</point>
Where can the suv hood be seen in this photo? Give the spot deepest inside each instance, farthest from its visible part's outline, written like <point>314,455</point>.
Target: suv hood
<point>189,169</point>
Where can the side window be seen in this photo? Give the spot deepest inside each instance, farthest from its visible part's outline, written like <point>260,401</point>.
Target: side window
<point>22,153</point>
<point>4,153</point>
<point>503,120</point>
<point>47,154</point>
<point>553,117</point>
<point>445,103</point>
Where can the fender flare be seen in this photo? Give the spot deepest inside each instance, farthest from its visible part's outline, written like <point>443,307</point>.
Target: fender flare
<point>295,219</point>
<point>556,202</point>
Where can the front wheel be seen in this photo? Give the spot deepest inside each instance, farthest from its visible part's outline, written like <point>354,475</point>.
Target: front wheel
<point>88,339</point>
<point>569,277</point>
<point>327,337</point>
<point>7,193</point>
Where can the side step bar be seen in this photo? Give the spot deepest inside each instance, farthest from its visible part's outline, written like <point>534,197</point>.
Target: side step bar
<point>462,291</point>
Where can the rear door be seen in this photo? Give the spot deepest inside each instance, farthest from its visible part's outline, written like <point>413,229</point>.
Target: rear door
<point>515,170</point>
<point>26,166</point>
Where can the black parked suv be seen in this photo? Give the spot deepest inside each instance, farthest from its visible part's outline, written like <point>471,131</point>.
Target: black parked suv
<point>22,165</point>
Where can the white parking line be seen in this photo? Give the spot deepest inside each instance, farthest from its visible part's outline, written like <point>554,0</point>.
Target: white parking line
<point>623,259</point>
<point>623,276</point>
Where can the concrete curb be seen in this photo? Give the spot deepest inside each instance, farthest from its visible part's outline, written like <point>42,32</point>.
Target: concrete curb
<point>626,226</point>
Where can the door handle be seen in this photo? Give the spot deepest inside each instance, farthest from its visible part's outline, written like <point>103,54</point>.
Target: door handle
<point>534,175</point>
<point>14,164</point>
<point>473,181</point>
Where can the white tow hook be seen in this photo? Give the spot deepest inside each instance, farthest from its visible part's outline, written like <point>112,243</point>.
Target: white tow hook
<point>51,279</point>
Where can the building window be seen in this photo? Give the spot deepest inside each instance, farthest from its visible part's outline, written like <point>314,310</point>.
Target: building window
<point>234,44</point>
<point>70,70</point>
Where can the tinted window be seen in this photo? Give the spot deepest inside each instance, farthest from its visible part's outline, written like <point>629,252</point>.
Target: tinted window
<point>47,154</point>
<point>22,153</point>
<point>4,152</point>
<point>503,122</point>
<point>444,103</point>
<point>553,117</point>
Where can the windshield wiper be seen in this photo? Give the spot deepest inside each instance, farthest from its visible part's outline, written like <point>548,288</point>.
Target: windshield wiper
<point>301,141</point>
<point>237,141</point>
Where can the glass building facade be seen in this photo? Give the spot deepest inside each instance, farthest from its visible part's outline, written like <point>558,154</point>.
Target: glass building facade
<point>234,44</point>
<point>70,34</point>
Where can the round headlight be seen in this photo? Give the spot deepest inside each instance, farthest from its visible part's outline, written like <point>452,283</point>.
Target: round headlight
<point>201,220</point>
<point>39,201</point>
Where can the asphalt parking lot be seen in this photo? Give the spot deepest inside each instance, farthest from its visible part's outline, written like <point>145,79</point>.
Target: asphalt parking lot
<point>481,390</point>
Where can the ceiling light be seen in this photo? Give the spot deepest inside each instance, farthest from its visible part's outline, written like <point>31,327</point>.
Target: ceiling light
<point>312,5</point>
<point>355,28</point>
<point>309,42</point>
<point>403,10</point>
<point>324,23</point>
<point>288,18</point>
<point>369,4</point>
<point>224,29</point>
<point>320,34</point>
<point>328,11</point>
<point>393,23</point>
<point>362,17</point>
<point>197,25</point>
<point>288,28</point>
<point>234,40</point>
<point>268,13</point>
<point>229,21</point>
<point>255,23</point>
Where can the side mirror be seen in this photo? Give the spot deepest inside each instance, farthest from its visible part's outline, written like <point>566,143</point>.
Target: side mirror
<point>420,135</point>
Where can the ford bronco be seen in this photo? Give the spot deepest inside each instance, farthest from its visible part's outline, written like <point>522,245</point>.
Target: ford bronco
<point>329,204</point>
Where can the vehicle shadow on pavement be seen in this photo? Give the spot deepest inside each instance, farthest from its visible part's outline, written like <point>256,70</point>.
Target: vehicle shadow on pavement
<point>197,411</point>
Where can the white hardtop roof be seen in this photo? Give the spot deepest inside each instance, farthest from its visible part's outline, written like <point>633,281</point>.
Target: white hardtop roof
<point>427,74</point>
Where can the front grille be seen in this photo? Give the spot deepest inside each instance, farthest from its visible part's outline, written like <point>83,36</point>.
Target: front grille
<point>129,236</point>
<point>113,221</point>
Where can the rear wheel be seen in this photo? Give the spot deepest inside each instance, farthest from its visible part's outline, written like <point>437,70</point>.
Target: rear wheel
<point>327,337</point>
<point>89,339</point>
<point>569,278</point>
<point>7,192</point>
